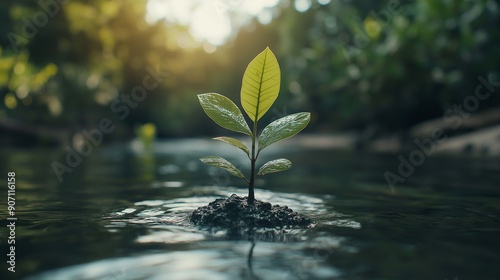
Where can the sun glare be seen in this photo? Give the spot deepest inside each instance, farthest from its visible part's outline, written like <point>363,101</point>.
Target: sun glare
<point>210,22</point>
<point>207,25</point>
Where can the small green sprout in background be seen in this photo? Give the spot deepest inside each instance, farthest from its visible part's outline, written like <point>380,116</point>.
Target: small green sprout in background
<point>146,134</point>
<point>259,90</point>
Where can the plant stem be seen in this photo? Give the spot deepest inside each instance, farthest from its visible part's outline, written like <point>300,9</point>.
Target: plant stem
<point>253,159</point>
<point>251,195</point>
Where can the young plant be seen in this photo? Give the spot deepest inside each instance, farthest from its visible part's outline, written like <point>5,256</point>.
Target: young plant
<point>259,90</point>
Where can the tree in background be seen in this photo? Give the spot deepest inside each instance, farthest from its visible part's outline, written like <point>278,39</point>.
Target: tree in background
<point>382,64</point>
<point>390,64</point>
<point>66,71</point>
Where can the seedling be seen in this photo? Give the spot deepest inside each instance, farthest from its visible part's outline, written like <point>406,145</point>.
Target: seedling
<point>259,90</point>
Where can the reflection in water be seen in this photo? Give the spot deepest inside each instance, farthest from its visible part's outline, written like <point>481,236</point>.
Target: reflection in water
<point>250,256</point>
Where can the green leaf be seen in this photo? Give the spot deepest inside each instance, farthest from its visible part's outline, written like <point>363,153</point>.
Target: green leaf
<point>235,142</point>
<point>224,112</point>
<point>276,165</point>
<point>260,85</point>
<point>283,128</point>
<point>224,164</point>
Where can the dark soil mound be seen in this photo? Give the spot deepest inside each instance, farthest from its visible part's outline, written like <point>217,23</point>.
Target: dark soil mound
<point>236,212</point>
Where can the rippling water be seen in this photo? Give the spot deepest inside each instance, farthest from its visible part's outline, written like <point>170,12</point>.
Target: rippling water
<point>123,214</point>
<point>207,254</point>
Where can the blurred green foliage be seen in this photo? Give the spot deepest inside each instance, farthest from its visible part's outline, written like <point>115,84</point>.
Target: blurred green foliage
<point>146,134</point>
<point>393,64</point>
<point>354,64</point>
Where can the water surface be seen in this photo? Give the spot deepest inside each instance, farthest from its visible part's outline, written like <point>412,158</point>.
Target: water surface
<point>123,214</point>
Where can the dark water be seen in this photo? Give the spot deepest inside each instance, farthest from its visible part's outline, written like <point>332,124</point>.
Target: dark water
<point>122,214</point>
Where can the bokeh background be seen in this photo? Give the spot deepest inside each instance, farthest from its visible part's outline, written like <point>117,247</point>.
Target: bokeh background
<point>383,80</point>
<point>374,69</point>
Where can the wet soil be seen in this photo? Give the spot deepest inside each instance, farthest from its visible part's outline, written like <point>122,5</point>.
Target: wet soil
<point>235,212</point>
